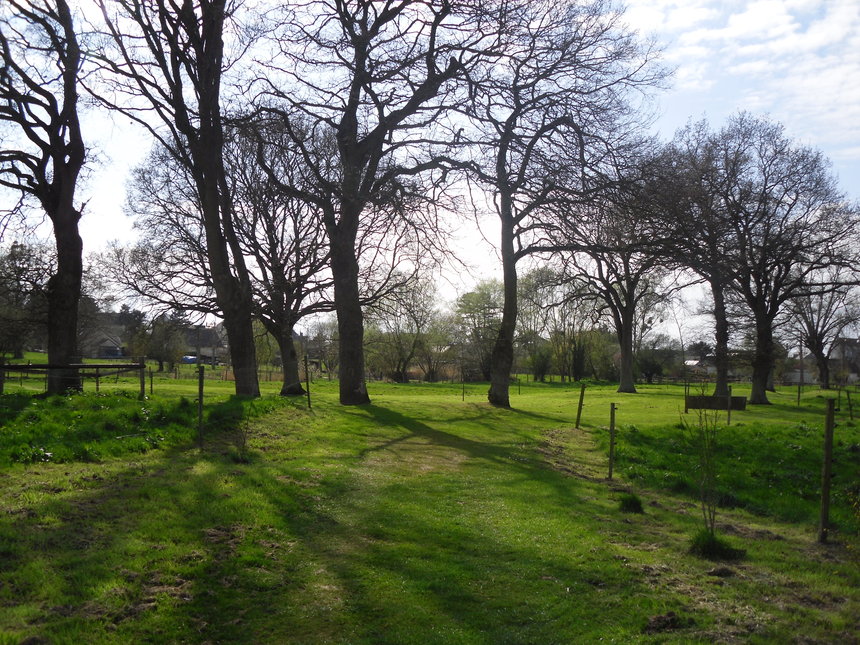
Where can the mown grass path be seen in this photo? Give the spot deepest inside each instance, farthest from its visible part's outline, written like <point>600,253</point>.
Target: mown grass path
<point>417,519</point>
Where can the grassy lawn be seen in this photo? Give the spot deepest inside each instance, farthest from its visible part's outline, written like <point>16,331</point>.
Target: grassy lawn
<point>422,518</point>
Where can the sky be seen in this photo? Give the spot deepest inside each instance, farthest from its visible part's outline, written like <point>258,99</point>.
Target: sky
<point>797,61</point>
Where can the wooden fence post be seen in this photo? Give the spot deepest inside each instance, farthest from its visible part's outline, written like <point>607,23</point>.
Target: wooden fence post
<point>611,438</point>
<point>142,372</point>
<point>824,520</point>
<point>308,381</point>
<point>729,408</point>
<point>850,409</point>
<point>581,401</point>
<point>2,373</point>
<point>200,405</point>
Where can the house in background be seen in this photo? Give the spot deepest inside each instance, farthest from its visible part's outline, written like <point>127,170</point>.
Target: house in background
<point>845,360</point>
<point>101,337</point>
<point>807,375</point>
<point>700,367</point>
<point>205,344</point>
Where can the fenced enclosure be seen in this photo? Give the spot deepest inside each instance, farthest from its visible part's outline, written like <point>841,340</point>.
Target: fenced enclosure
<point>37,373</point>
<point>124,373</point>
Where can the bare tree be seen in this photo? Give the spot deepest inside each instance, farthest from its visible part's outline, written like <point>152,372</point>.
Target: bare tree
<point>757,217</point>
<point>167,268</point>
<point>378,78</point>
<point>622,272</point>
<point>688,181</point>
<point>402,318</point>
<point>821,318</point>
<point>789,224</point>
<point>282,236</point>
<point>42,151</point>
<point>553,114</point>
<point>163,67</point>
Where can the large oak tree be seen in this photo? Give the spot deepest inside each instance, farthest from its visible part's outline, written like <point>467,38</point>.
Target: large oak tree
<point>789,222</point>
<point>42,152</point>
<point>553,117</point>
<point>163,67</point>
<point>379,77</point>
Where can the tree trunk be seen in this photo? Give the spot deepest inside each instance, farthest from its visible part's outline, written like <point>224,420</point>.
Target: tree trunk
<point>721,338</point>
<point>762,364</point>
<point>232,292</point>
<point>626,382</point>
<point>350,319</point>
<point>235,305</point>
<point>771,382</point>
<point>64,294</point>
<point>502,358</point>
<point>815,344</point>
<point>823,370</point>
<point>230,277</point>
<point>292,385</point>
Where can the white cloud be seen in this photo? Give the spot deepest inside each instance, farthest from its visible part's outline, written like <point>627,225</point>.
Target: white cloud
<point>682,18</point>
<point>798,60</point>
<point>669,16</point>
<point>694,78</point>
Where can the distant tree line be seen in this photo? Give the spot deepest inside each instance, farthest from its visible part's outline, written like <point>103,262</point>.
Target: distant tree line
<point>309,159</point>
<point>564,333</point>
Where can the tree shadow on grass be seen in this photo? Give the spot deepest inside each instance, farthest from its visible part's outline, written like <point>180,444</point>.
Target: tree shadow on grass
<point>514,452</point>
<point>452,436</point>
<point>184,546</point>
<point>413,557</point>
<point>148,551</point>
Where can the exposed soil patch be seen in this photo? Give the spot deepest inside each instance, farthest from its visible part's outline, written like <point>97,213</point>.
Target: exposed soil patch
<point>225,539</point>
<point>747,532</point>
<point>667,622</point>
<point>554,453</point>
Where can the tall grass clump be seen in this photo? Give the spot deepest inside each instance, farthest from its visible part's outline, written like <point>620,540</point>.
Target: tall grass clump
<point>630,503</point>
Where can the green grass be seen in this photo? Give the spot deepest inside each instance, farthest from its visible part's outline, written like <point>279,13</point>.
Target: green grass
<point>421,518</point>
<point>769,458</point>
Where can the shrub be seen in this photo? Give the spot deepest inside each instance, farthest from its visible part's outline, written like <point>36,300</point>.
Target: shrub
<point>630,503</point>
<point>711,546</point>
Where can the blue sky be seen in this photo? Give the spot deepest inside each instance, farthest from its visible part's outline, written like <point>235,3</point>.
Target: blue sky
<point>795,60</point>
